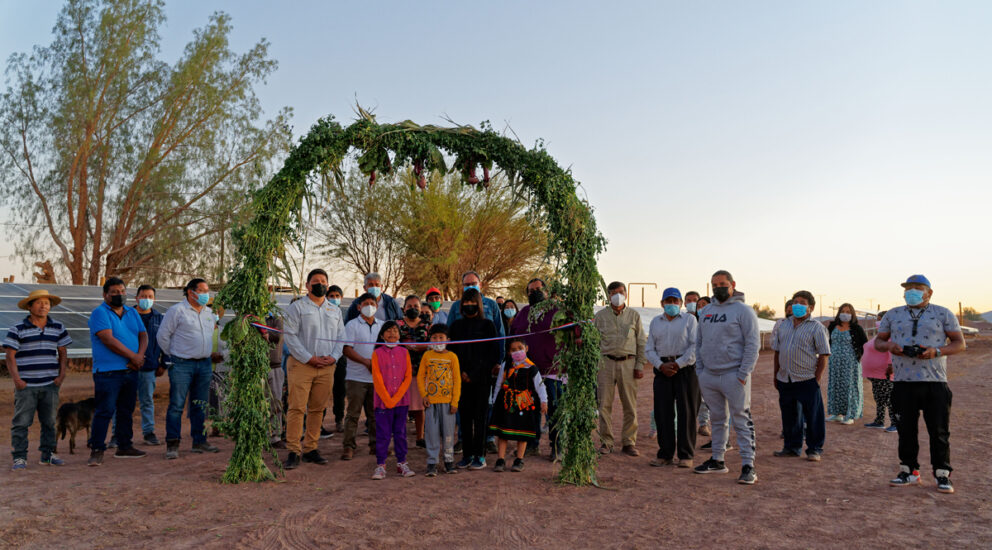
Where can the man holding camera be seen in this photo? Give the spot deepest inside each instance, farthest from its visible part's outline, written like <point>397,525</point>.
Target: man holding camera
<point>917,335</point>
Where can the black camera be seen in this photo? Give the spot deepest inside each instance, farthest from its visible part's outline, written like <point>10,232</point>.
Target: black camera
<point>913,351</point>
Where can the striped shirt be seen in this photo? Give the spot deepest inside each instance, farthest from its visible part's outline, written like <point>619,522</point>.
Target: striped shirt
<point>798,347</point>
<point>37,350</point>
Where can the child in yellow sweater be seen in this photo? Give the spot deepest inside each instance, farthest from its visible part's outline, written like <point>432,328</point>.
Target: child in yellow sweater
<point>439,381</point>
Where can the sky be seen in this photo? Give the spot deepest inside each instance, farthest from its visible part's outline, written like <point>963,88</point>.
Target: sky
<point>836,147</point>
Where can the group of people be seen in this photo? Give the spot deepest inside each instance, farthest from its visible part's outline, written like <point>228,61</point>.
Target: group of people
<point>487,370</point>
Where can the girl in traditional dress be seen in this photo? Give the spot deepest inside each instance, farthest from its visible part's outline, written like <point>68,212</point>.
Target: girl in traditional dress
<point>521,401</point>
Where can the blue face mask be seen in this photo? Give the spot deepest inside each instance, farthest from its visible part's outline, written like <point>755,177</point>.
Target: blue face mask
<point>375,291</point>
<point>799,310</point>
<point>672,310</point>
<point>509,312</point>
<point>914,297</point>
<point>145,303</point>
<point>202,299</point>
<point>466,287</point>
<point>691,307</point>
<point>335,301</point>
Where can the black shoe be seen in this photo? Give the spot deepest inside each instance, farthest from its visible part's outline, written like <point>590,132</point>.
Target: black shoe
<point>748,476</point>
<point>707,445</point>
<point>449,468</point>
<point>325,433</point>
<point>314,457</point>
<point>150,439</point>
<point>518,465</point>
<point>458,446</point>
<point>128,452</point>
<point>422,443</point>
<point>204,448</point>
<point>944,485</point>
<point>787,453</point>
<point>532,451</point>
<point>500,465</point>
<point>711,467</point>
<point>431,470</point>
<point>171,449</point>
<point>292,462</point>
<point>491,447</point>
<point>96,458</point>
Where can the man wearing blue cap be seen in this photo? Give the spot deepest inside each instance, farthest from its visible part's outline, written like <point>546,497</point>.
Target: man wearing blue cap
<point>671,350</point>
<point>917,335</point>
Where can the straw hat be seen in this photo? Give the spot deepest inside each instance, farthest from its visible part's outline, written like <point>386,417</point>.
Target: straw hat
<point>40,293</point>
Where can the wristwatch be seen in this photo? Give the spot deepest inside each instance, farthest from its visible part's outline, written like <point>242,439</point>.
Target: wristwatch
<point>938,352</point>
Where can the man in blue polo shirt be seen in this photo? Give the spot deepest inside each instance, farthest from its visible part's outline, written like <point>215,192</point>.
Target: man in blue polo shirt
<point>36,360</point>
<point>119,340</point>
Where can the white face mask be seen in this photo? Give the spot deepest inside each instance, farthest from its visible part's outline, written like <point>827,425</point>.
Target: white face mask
<point>845,317</point>
<point>438,347</point>
<point>390,344</point>
<point>618,300</point>
<point>368,311</point>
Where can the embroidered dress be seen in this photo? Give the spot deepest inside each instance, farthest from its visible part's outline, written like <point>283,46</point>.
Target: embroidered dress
<point>845,394</point>
<point>517,409</point>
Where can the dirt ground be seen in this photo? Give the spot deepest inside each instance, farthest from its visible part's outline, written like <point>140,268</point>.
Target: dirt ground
<point>843,501</point>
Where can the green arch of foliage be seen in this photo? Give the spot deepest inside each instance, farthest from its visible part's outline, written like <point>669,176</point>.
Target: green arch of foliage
<point>573,247</point>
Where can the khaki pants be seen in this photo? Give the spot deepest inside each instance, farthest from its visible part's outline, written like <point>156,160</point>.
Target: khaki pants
<point>309,389</point>
<point>359,395</point>
<point>619,375</point>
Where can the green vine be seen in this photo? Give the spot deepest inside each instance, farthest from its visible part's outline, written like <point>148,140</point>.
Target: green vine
<point>574,245</point>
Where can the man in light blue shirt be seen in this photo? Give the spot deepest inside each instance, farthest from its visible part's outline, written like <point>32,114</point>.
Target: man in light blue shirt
<point>491,309</point>
<point>358,381</point>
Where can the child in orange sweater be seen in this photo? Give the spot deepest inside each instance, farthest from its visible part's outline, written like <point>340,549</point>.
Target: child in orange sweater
<point>392,374</point>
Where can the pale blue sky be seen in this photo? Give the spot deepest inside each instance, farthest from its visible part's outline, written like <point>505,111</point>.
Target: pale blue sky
<point>836,147</point>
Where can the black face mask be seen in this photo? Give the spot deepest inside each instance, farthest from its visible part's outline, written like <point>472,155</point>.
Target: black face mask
<point>535,297</point>
<point>117,300</point>
<point>425,318</point>
<point>412,313</point>
<point>721,293</point>
<point>470,310</point>
<point>318,290</point>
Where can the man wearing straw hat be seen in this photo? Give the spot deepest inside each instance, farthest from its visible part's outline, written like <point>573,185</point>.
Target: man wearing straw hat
<point>36,360</point>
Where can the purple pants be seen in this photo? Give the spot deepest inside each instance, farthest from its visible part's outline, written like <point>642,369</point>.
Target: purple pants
<point>390,424</point>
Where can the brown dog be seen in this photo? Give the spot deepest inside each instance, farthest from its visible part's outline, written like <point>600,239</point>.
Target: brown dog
<point>73,417</point>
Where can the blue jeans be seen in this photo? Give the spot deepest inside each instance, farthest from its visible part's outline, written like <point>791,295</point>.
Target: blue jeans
<point>146,393</point>
<point>44,400</point>
<point>116,393</point>
<point>801,403</point>
<point>188,379</point>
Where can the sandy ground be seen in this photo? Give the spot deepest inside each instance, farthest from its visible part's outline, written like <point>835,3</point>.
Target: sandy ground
<point>842,501</point>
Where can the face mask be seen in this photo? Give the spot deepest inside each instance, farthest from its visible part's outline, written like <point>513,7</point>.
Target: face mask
<point>390,345</point>
<point>509,312</point>
<point>375,291</point>
<point>913,297</point>
<point>470,310</point>
<point>721,293</point>
<point>434,305</point>
<point>691,307</point>
<point>368,311</point>
<point>438,347</point>
<point>425,318</point>
<point>845,317</point>
<point>466,287</point>
<point>618,300</point>
<point>318,290</point>
<point>672,310</point>
<point>146,303</point>
<point>412,313</point>
<point>202,299</point>
<point>518,356</point>
<point>799,310</point>
<point>335,301</point>
<point>117,300</point>
<point>535,297</point>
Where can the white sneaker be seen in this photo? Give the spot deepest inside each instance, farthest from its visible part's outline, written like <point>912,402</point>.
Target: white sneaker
<point>846,421</point>
<point>404,470</point>
<point>379,473</point>
<point>905,477</point>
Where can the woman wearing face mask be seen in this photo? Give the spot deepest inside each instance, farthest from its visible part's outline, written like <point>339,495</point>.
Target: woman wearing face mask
<point>509,313</point>
<point>414,329</point>
<point>845,395</point>
<point>477,362</point>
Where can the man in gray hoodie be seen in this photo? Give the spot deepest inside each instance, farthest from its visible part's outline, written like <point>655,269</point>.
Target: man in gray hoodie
<point>727,347</point>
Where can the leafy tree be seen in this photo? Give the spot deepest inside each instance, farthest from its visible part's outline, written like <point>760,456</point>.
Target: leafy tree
<point>971,314</point>
<point>764,312</point>
<point>127,161</point>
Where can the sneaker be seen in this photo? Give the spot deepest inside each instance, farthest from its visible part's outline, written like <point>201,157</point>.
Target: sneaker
<point>422,443</point>
<point>787,453</point>
<point>659,462</point>
<point>813,457</point>
<point>846,421</point>
<point>113,443</point>
<point>204,448</point>
<point>129,452</point>
<point>449,468</point>
<point>491,447</point>
<point>748,476</point>
<point>171,450</point>
<point>905,478</point>
<point>875,425</point>
<point>151,440</point>
<point>21,464</point>
<point>431,470</point>
<point>704,430</point>
<point>348,453</point>
<point>458,446</point>
<point>892,429</point>
<point>478,463</point>
<point>96,458</point>
<point>500,465</point>
<point>325,433</point>
<point>314,457</point>
<point>292,462</point>
<point>834,418</point>
<point>711,467</point>
<point>944,482</point>
<point>518,465</point>
<point>52,460</point>
<point>465,462</point>
<point>403,469</point>
<point>380,472</point>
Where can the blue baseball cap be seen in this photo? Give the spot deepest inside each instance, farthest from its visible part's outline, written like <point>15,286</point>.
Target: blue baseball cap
<point>671,292</point>
<point>917,280</point>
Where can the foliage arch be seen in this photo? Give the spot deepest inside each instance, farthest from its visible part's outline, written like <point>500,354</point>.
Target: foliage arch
<point>573,247</point>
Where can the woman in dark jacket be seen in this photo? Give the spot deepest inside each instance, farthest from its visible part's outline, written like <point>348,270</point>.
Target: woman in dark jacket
<point>845,396</point>
<point>477,362</point>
